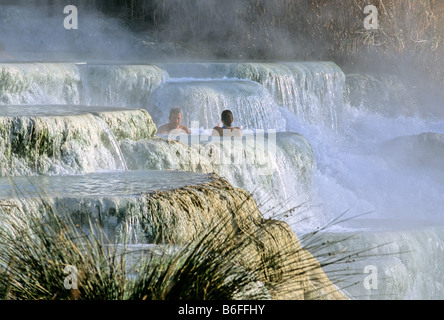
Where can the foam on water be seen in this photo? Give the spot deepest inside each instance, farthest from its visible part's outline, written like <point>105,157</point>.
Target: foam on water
<point>397,187</point>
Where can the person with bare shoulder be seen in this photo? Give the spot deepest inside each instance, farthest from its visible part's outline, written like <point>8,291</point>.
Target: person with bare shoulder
<point>174,126</point>
<point>227,129</point>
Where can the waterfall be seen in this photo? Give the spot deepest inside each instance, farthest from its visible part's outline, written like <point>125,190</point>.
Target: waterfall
<point>119,85</point>
<point>339,143</point>
<point>384,163</point>
<point>373,154</point>
<point>115,199</point>
<point>403,260</point>
<point>311,90</point>
<point>39,83</point>
<point>78,83</point>
<point>370,91</point>
<point>66,139</point>
<point>204,100</point>
<point>114,145</point>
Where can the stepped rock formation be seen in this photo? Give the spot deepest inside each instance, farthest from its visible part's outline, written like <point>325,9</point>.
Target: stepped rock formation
<point>68,140</point>
<point>50,144</point>
<point>105,164</point>
<point>289,271</point>
<point>311,90</point>
<point>370,91</point>
<point>180,215</point>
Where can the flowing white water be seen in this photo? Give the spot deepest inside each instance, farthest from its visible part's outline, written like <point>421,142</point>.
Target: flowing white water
<point>120,160</point>
<point>360,168</point>
<point>35,83</point>
<point>358,165</point>
<point>119,85</point>
<point>203,100</point>
<point>364,169</point>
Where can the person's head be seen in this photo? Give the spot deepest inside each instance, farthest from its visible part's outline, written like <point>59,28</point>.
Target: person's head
<point>175,117</point>
<point>227,117</point>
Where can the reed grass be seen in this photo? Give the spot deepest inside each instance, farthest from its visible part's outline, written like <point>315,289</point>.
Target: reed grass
<point>37,243</point>
<point>36,247</point>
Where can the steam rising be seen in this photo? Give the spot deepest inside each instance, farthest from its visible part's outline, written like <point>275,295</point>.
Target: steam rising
<point>31,33</point>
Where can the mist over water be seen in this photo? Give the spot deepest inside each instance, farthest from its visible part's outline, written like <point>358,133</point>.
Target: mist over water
<point>389,167</point>
<point>368,179</point>
<point>376,152</point>
<point>34,33</point>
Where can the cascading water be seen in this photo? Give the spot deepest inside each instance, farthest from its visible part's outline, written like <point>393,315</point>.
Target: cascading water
<point>373,156</point>
<point>378,165</point>
<point>121,164</point>
<point>204,100</point>
<point>334,150</point>
<point>311,90</point>
<point>34,83</point>
<point>104,84</point>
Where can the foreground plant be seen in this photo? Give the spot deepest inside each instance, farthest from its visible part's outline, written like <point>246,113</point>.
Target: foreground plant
<point>46,256</point>
<point>39,249</point>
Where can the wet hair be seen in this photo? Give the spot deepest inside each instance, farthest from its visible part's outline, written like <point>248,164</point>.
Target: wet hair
<point>175,110</point>
<point>227,117</point>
